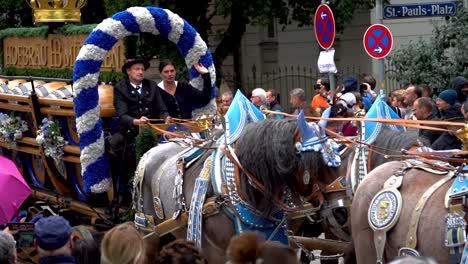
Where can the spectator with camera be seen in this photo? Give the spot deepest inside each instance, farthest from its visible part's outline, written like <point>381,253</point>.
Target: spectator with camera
<point>366,89</point>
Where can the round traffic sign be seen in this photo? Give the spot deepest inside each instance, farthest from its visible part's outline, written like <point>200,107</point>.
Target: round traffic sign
<point>378,41</point>
<point>324,25</point>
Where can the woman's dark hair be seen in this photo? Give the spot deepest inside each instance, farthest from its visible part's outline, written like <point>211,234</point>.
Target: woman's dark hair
<point>86,251</point>
<point>164,63</point>
<point>337,109</point>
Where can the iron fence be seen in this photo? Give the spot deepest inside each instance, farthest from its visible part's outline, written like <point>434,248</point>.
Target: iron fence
<point>286,78</point>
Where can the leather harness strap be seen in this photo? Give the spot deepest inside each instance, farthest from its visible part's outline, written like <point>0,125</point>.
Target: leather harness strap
<point>210,208</point>
<point>261,188</point>
<point>411,238</point>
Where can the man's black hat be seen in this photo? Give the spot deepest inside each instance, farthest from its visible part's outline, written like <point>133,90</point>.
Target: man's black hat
<point>130,62</point>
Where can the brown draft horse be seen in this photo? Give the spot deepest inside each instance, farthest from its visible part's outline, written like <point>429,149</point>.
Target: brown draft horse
<point>431,228</point>
<point>266,149</point>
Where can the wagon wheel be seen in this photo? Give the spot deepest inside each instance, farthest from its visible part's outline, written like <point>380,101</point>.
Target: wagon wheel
<point>17,157</point>
<point>36,169</point>
<point>70,131</point>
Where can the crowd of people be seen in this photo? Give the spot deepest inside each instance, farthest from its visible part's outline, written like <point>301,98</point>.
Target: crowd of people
<point>415,102</point>
<point>56,243</point>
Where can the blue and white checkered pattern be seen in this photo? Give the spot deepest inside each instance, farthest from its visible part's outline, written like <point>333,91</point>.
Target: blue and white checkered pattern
<point>94,163</point>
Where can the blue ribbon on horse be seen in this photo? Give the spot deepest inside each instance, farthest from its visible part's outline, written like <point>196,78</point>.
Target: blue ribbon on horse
<point>379,109</point>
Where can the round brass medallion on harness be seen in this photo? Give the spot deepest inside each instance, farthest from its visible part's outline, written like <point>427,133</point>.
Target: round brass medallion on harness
<point>384,209</point>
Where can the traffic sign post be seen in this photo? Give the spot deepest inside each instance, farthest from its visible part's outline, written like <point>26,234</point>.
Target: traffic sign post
<point>324,25</point>
<point>378,41</point>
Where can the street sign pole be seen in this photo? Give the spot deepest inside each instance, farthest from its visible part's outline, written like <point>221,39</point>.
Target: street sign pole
<point>381,63</point>
<point>331,75</point>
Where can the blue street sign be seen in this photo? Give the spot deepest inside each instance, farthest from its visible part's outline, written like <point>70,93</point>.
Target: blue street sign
<point>419,10</point>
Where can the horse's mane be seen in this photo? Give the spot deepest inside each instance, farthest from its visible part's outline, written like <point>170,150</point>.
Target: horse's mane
<point>391,142</point>
<point>266,149</point>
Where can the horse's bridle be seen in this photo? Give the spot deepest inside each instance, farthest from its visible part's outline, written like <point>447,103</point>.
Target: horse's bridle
<point>258,185</point>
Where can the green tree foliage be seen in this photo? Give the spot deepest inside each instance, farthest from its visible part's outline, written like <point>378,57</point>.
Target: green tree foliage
<point>14,13</point>
<point>199,13</point>
<point>238,14</point>
<point>437,60</point>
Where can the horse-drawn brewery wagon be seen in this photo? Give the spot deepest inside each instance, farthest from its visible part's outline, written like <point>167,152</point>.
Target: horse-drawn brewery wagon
<point>275,176</point>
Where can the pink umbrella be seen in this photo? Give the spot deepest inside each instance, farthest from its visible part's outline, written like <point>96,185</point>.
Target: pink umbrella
<point>13,190</point>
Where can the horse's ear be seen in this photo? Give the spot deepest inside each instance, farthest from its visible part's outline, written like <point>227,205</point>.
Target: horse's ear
<point>306,131</point>
<point>325,114</point>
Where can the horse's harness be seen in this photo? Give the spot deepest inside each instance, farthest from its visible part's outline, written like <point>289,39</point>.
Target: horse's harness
<point>212,206</point>
<point>385,209</point>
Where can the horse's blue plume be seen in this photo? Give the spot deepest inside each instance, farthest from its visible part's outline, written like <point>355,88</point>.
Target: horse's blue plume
<point>325,114</point>
<point>240,113</point>
<point>307,132</point>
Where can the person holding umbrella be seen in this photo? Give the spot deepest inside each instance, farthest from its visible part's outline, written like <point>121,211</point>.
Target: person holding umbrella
<point>13,190</point>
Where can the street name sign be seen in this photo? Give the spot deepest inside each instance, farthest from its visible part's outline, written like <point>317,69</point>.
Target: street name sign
<point>419,10</point>
<point>324,25</point>
<point>378,41</point>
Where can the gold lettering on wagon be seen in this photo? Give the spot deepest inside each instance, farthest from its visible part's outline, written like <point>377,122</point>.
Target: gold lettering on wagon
<point>54,52</point>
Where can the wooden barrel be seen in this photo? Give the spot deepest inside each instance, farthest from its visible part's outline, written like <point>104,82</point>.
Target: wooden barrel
<point>13,83</point>
<point>24,88</point>
<point>4,88</point>
<point>106,100</point>
<point>55,90</point>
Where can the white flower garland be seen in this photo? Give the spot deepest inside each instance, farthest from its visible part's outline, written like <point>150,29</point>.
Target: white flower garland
<point>94,163</point>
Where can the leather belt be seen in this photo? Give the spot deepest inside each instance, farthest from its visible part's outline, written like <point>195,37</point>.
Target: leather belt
<point>411,238</point>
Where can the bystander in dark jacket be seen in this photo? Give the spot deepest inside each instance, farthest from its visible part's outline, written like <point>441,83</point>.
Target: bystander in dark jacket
<point>460,85</point>
<point>422,110</point>
<point>54,240</point>
<point>274,104</point>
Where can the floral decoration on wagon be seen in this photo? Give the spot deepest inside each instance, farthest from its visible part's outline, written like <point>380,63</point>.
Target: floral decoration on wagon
<point>11,128</point>
<point>154,20</point>
<point>51,139</point>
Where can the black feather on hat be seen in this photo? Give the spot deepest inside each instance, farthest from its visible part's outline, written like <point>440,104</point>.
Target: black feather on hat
<point>130,62</point>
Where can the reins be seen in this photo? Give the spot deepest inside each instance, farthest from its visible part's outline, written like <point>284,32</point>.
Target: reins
<point>399,122</point>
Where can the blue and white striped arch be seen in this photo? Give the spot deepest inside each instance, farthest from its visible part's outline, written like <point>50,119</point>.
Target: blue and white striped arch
<point>94,163</point>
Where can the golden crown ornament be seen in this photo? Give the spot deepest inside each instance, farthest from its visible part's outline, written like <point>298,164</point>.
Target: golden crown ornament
<point>56,10</point>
